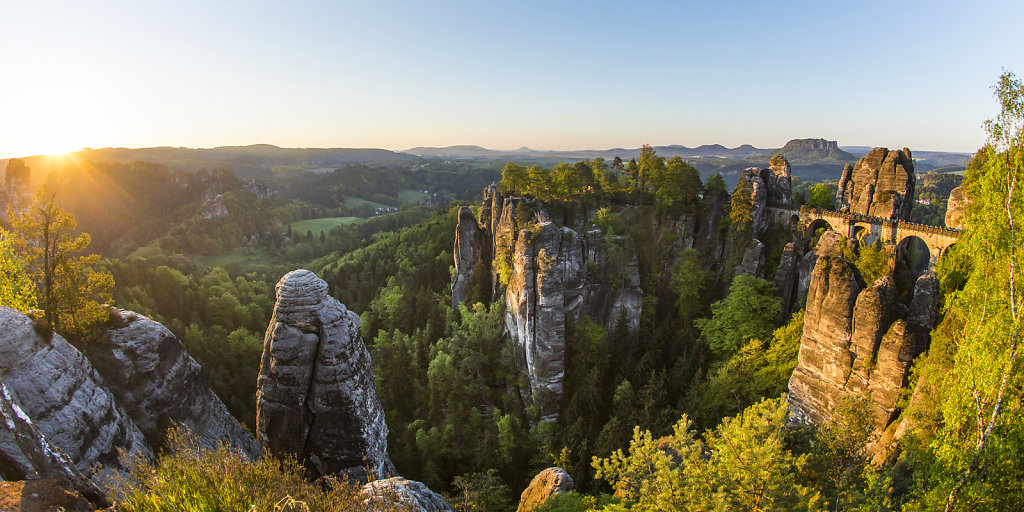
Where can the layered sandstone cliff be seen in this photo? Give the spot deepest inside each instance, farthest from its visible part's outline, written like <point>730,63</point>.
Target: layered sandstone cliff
<point>858,340</point>
<point>316,396</point>
<point>160,385</point>
<point>64,397</point>
<point>881,184</point>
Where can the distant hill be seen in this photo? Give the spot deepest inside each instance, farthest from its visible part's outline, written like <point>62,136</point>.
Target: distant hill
<point>257,160</point>
<point>809,151</point>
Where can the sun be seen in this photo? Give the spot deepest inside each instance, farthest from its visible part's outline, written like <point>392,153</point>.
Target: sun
<point>54,120</point>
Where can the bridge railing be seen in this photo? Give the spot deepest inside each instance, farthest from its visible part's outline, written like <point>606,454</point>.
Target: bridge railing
<point>899,224</point>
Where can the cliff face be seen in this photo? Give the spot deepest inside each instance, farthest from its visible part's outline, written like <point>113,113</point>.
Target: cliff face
<point>66,399</point>
<point>159,384</point>
<point>956,207</point>
<point>316,396</point>
<point>881,184</point>
<point>858,340</point>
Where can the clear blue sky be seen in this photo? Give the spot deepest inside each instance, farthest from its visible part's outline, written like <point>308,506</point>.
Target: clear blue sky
<point>565,75</point>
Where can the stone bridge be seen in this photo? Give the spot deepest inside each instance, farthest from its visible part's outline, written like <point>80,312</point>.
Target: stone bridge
<point>862,227</point>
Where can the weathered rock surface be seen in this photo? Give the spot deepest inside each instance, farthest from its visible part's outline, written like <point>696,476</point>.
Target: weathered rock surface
<point>42,459</point>
<point>787,279</point>
<point>471,248</point>
<point>385,495</point>
<point>160,385</point>
<point>316,396</point>
<point>779,181</point>
<point>58,388</point>
<point>956,207</point>
<point>51,494</point>
<point>214,208</point>
<point>546,484</point>
<point>752,263</point>
<point>881,184</point>
<point>758,200</point>
<point>857,342</point>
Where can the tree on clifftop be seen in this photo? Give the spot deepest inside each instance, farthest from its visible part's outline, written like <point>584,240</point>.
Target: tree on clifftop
<point>70,290</point>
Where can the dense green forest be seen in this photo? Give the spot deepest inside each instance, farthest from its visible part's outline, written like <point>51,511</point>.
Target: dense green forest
<point>683,414</point>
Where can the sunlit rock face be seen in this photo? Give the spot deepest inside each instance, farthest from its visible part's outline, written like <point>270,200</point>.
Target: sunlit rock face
<point>881,184</point>
<point>858,341</point>
<point>316,396</point>
<point>956,207</point>
<point>65,398</point>
<point>160,385</point>
<point>546,484</point>
<point>397,493</point>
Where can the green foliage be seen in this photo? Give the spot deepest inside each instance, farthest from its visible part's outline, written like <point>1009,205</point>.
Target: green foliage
<point>71,290</point>
<point>822,196</point>
<point>688,282</point>
<point>748,312</point>
<point>16,288</point>
<point>870,260</point>
<point>482,492</point>
<point>757,371</point>
<point>743,464</point>
<point>188,478</point>
<point>838,459</point>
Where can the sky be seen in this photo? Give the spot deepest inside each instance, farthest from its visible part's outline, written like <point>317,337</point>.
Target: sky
<point>501,74</point>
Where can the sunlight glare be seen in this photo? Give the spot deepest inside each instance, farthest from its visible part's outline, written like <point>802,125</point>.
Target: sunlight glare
<point>55,120</point>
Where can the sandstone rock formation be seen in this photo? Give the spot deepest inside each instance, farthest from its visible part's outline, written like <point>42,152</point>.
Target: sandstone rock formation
<point>880,185</point>
<point>316,396</point>
<point>779,181</point>
<point>752,263</point>
<point>385,495</point>
<point>58,388</point>
<point>160,385</point>
<point>471,248</point>
<point>214,208</point>
<point>956,207</point>
<point>546,484</point>
<point>857,341</point>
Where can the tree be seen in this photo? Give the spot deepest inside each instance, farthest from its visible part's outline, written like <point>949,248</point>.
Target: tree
<point>822,196</point>
<point>16,288</point>
<point>650,168</point>
<point>973,461</point>
<point>70,289</point>
<point>748,312</point>
<point>680,187</point>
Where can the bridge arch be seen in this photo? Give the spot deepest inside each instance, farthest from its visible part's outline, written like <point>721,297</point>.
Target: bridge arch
<point>815,225</point>
<point>917,254</point>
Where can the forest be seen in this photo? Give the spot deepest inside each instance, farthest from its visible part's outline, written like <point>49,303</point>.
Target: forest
<point>685,413</point>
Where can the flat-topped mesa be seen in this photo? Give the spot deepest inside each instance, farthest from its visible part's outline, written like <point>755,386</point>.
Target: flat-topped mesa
<point>316,396</point>
<point>881,184</point>
<point>160,385</point>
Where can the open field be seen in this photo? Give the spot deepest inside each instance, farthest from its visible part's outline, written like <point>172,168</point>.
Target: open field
<point>408,195</point>
<point>325,224</point>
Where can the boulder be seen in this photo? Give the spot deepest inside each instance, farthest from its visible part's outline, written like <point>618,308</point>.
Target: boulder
<point>546,484</point>
<point>65,397</point>
<point>398,493</point>
<point>881,184</point>
<point>160,385</point>
<point>316,396</point>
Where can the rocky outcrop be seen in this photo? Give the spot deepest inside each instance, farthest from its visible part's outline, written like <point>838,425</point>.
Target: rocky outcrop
<point>546,484</point>
<point>214,208</point>
<point>65,397</point>
<point>752,263</point>
<point>787,279</point>
<point>42,459</point>
<point>858,342</point>
<point>398,493</point>
<point>812,151</point>
<point>779,181</point>
<point>160,385</point>
<point>471,251</point>
<point>881,184</point>
<point>768,187</point>
<point>316,396</point>
<point>758,200</point>
<point>956,207</point>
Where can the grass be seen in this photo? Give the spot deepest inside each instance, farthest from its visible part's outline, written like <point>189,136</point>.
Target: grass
<point>321,225</point>
<point>408,195</point>
<point>352,202</point>
<point>242,256</point>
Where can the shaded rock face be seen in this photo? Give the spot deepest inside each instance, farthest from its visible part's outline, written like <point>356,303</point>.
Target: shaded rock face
<point>881,184</point>
<point>758,200</point>
<point>470,248</point>
<point>857,341</point>
<point>159,384</point>
<point>385,495</point>
<point>316,397</point>
<point>214,208</point>
<point>956,207</point>
<point>779,181</point>
<point>65,397</point>
<point>753,260</point>
<point>546,484</point>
